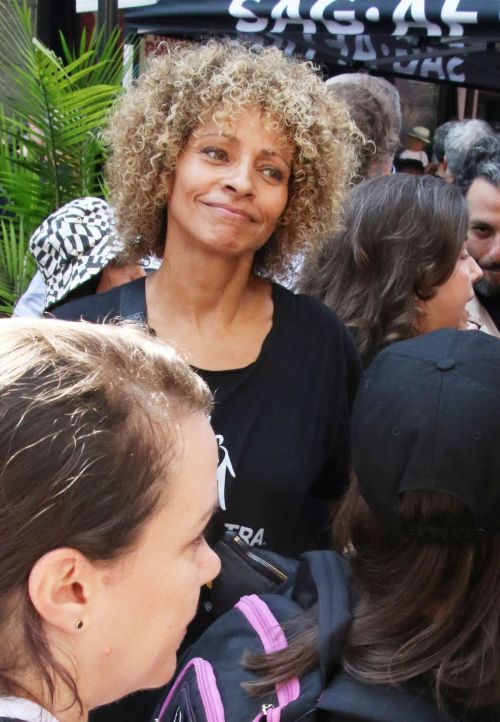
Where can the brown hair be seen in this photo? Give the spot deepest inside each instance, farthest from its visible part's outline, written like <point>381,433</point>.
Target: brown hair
<point>401,239</point>
<point>425,610</point>
<point>82,460</point>
<point>190,84</point>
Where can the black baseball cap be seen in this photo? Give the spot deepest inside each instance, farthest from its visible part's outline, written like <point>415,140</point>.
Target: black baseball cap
<point>427,416</point>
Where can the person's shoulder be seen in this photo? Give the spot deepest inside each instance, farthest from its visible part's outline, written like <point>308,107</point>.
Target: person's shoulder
<point>314,328</point>
<point>101,307</point>
<point>347,697</point>
<point>32,302</point>
<point>307,309</point>
<point>95,308</point>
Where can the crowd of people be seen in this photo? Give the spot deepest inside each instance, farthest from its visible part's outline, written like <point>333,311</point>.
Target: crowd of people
<point>334,385</point>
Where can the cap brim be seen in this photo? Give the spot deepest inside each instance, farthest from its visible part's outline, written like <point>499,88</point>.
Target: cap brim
<point>419,137</point>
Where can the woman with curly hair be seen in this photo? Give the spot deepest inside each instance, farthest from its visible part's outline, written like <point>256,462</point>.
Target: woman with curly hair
<point>399,267</point>
<point>228,160</point>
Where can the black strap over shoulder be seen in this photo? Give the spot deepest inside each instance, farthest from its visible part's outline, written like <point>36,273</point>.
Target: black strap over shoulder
<point>133,301</point>
<point>321,578</point>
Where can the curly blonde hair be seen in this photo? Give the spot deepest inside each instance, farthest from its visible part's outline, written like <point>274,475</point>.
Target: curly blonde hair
<point>190,84</point>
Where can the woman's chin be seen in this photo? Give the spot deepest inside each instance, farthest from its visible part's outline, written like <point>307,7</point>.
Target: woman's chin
<point>162,674</point>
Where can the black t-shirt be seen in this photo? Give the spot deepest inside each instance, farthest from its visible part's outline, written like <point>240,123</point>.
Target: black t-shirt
<point>282,423</point>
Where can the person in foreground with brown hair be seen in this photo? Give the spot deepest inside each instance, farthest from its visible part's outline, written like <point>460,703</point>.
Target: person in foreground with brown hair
<point>107,481</point>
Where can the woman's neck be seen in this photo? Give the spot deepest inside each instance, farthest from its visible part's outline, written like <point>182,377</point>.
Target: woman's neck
<point>213,309</point>
<point>194,286</point>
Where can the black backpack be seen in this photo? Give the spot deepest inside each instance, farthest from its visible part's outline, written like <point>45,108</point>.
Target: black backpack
<point>208,687</point>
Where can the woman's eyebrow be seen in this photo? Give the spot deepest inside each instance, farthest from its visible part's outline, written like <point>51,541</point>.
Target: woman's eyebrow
<point>267,152</point>
<point>205,518</point>
<point>276,154</point>
<point>214,134</point>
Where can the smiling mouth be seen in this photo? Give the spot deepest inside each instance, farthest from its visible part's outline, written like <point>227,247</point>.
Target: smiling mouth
<point>230,212</point>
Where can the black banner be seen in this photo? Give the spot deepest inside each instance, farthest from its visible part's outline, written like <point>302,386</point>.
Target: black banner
<point>440,40</point>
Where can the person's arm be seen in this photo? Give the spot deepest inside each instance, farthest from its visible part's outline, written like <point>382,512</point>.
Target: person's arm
<point>32,302</point>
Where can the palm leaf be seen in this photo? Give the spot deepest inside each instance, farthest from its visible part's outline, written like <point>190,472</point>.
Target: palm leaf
<point>50,149</point>
<point>109,70</point>
<point>16,263</point>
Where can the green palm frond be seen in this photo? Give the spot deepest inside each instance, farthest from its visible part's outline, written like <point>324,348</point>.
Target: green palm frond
<point>109,70</point>
<point>16,263</point>
<point>50,147</point>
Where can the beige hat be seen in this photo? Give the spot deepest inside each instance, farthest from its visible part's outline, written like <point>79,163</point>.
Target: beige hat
<point>420,132</point>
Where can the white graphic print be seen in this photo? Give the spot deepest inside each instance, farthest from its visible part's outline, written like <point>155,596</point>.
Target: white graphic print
<point>224,467</point>
<point>249,535</point>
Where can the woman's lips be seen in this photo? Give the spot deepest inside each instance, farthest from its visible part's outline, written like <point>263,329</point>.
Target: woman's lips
<point>230,212</point>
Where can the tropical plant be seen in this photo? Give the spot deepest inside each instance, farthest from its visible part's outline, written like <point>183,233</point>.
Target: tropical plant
<point>50,152</point>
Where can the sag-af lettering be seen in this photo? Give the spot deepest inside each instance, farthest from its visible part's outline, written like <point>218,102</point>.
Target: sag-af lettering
<point>346,17</point>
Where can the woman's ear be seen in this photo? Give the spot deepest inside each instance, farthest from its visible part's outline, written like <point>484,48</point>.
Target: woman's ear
<point>60,586</point>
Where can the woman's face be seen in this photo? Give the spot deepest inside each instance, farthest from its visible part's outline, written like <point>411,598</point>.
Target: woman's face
<point>230,187</point>
<point>150,595</point>
<point>447,308</point>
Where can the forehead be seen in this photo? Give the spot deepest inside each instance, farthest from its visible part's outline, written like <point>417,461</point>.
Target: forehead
<point>483,200</point>
<point>241,124</point>
<point>192,473</point>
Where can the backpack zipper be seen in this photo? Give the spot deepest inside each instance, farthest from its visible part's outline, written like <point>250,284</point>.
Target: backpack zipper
<point>270,713</point>
<point>272,572</point>
<point>265,624</point>
<point>266,708</point>
<point>209,691</point>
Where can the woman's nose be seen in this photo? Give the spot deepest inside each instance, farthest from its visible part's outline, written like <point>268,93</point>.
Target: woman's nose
<point>211,565</point>
<point>239,178</point>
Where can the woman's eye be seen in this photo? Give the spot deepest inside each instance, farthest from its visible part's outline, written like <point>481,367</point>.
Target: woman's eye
<point>215,153</point>
<point>274,173</point>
